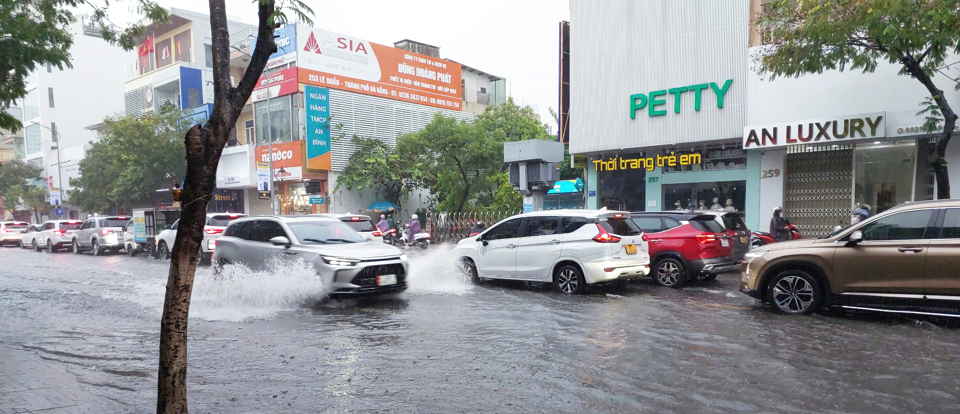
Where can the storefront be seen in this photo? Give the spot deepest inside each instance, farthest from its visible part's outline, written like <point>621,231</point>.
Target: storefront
<point>227,201</point>
<point>295,189</point>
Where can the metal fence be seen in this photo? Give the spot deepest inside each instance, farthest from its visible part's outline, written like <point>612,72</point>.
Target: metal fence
<point>455,226</point>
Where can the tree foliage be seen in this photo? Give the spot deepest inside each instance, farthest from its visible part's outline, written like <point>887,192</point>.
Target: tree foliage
<point>813,36</point>
<point>37,32</point>
<point>31,196</point>
<point>16,172</point>
<point>378,166</point>
<point>134,158</point>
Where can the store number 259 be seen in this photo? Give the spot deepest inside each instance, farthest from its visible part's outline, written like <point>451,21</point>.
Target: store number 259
<point>769,174</point>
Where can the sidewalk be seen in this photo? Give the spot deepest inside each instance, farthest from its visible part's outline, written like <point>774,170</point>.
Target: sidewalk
<point>28,384</point>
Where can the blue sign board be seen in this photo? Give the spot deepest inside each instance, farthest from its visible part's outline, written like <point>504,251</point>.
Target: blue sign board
<point>528,207</point>
<point>285,38</point>
<point>316,200</point>
<point>59,211</point>
<point>592,193</point>
<point>317,101</point>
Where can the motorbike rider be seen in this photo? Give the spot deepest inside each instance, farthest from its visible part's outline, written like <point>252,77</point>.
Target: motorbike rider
<point>477,228</point>
<point>860,214</point>
<point>414,228</point>
<point>779,225</point>
<point>382,225</point>
<point>391,223</point>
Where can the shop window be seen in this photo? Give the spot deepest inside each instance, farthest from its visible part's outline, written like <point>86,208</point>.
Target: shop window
<point>718,158</point>
<point>724,195</point>
<point>273,121</point>
<point>623,189</point>
<point>883,174</point>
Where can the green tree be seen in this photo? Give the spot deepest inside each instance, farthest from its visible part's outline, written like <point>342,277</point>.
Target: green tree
<point>811,36</point>
<point>378,166</point>
<point>135,157</point>
<point>33,197</point>
<point>36,32</point>
<point>16,172</point>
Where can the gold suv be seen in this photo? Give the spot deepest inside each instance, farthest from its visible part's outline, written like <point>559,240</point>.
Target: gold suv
<point>905,257</point>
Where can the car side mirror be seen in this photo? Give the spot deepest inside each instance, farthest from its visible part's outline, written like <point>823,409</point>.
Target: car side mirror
<point>280,241</point>
<point>855,237</point>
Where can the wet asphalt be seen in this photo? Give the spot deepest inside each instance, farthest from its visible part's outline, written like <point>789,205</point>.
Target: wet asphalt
<point>271,342</point>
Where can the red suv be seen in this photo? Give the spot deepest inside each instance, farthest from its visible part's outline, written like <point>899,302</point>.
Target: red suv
<point>685,245</point>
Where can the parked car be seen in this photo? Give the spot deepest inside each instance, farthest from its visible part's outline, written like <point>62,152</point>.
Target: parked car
<point>212,229</point>
<point>569,248</point>
<point>686,245</point>
<point>348,262</point>
<point>56,234</point>
<point>905,257</point>
<point>100,235</point>
<point>735,228</point>
<point>28,237</point>
<point>11,232</point>
<point>361,223</point>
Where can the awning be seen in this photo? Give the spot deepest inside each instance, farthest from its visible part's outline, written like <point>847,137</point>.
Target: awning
<point>567,186</point>
<point>383,205</point>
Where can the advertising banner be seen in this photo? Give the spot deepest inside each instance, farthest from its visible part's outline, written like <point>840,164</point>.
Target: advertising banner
<point>286,40</point>
<point>342,62</point>
<point>139,227</point>
<point>276,84</point>
<point>287,160</point>
<point>263,180</point>
<point>816,131</point>
<point>317,102</point>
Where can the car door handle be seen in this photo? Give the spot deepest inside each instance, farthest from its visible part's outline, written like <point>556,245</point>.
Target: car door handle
<point>656,241</point>
<point>291,253</point>
<point>511,246</point>
<point>554,241</point>
<point>910,249</point>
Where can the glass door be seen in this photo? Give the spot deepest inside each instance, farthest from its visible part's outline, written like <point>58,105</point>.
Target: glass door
<point>884,174</point>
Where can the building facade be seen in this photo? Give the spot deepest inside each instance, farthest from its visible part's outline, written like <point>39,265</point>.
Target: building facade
<point>670,112</point>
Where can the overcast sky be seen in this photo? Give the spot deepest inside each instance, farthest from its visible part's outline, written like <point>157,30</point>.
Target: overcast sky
<point>513,39</point>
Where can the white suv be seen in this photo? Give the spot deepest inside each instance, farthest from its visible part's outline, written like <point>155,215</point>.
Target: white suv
<point>56,234</point>
<point>212,229</point>
<point>12,231</point>
<point>570,248</point>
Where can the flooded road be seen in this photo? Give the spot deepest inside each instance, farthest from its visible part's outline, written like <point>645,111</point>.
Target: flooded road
<point>272,343</point>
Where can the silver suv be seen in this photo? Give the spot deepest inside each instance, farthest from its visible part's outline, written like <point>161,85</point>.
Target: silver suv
<point>348,262</point>
<point>100,235</point>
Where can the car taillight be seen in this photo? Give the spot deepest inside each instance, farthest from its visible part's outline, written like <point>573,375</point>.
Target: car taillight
<point>706,238</point>
<point>213,231</point>
<point>59,232</point>
<point>355,219</point>
<point>605,237</point>
<point>643,236</point>
<point>377,233</point>
<point>105,232</point>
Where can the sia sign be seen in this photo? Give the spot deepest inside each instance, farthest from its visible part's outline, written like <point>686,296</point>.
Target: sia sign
<point>648,164</point>
<point>656,99</point>
<point>815,131</point>
<point>337,61</point>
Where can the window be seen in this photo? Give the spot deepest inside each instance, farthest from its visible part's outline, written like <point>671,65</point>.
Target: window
<point>325,232</point>
<point>31,105</point>
<point>707,224</point>
<point>240,230</point>
<point>483,90</point>
<point>264,230</point>
<point>70,226</point>
<point>50,95</point>
<point>506,230</point>
<point>541,226</point>
<point>115,222</point>
<point>175,225</point>
<point>951,224</point>
<point>909,225</point>
<point>620,227</point>
<point>208,55</point>
<point>221,220</point>
<point>572,224</point>
<point>669,223</point>
<point>49,67</point>
<point>86,225</point>
<point>273,120</point>
<point>54,135</point>
<point>360,225</point>
<point>33,140</point>
<point>30,229</point>
<point>248,134</point>
<point>648,224</point>
<point>46,226</point>
<point>734,222</point>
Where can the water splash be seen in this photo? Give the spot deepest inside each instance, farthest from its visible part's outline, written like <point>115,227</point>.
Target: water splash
<point>435,271</point>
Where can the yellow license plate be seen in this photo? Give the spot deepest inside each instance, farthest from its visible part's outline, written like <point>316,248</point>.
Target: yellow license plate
<point>631,248</point>
<point>743,239</point>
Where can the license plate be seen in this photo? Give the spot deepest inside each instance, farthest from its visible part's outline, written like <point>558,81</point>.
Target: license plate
<point>743,239</point>
<point>631,248</point>
<point>386,280</point>
<point>724,243</point>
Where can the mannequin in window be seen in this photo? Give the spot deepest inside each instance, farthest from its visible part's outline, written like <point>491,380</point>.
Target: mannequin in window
<point>716,204</point>
<point>703,205</point>
<point>679,206</point>
<point>730,208</point>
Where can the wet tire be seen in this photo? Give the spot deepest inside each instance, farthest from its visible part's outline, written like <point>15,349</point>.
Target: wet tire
<point>470,270</point>
<point>422,244</point>
<point>36,247</point>
<point>569,279</point>
<point>20,243</point>
<point>670,272</point>
<point>96,249</point>
<point>794,292</point>
<point>218,269</point>
<point>162,251</point>
<point>50,247</point>
<point>76,248</point>
<point>131,251</point>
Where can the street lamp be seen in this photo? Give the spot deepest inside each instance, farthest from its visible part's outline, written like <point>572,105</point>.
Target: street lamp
<point>59,170</point>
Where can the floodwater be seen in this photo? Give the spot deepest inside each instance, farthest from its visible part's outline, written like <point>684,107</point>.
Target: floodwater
<point>271,342</point>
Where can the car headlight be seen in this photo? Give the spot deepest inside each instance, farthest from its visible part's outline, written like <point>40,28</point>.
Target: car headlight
<point>339,261</point>
<point>754,254</point>
<point>403,257</point>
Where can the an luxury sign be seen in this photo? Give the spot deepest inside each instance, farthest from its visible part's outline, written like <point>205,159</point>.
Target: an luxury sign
<point>815,131</point>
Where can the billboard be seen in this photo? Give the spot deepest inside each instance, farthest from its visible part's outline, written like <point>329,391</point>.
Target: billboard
<point>276,84</point>
<point>286,40</point>
<point>338,61</point>
<point>317,102</point>
<point>287,160</point>
<point>263,180</point>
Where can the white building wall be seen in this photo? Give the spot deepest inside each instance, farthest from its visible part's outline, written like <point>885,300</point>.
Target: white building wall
<point>638,46</point>
<point>771,184</point>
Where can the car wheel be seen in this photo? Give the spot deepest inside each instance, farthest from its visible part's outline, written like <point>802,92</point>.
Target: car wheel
<point>670,273</point>
<point>36,247</point>
<point>569,279</point>
<point>162,251</point>
<point>20,243</point>
<point>794,292</point>
<point>131,251</point>
<point>218,268</point>
<point>470,270</point>
<point>50,248</point>
<point>76,247</point>
<point>95,247</point>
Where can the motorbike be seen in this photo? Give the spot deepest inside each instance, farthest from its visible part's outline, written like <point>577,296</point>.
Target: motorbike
<point>391,237</point>
<point>759,238</point>
<point>421,239</point>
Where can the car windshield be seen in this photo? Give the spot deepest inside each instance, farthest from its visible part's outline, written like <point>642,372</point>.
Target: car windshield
<point>836,231</point>
<point>221,220</point>
<point>620,226</point>
<point>324,232</point>
<point>115,222</point>
<point>70,226</point>
<point>360,225</point>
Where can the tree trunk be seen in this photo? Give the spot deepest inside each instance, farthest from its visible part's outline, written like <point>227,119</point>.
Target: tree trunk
<point>204,146</point>
<point>938,161</point>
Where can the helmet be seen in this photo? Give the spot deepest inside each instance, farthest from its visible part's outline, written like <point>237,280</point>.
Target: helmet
<point>413,217</point>
<point>777,208</point>
<point>383,216</point>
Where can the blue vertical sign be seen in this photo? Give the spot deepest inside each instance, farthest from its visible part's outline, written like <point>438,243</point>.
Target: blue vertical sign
<point>318,128</point>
